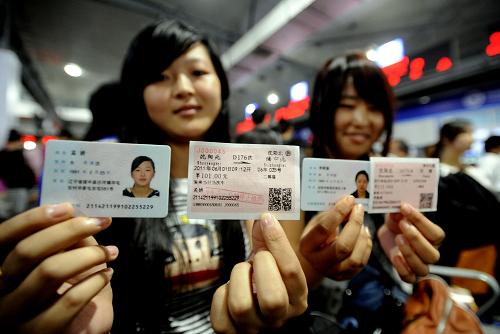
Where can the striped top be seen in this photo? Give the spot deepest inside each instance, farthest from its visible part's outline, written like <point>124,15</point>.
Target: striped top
<point>192,268</point>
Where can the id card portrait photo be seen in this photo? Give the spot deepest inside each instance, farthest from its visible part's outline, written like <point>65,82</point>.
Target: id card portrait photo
<point>107,179</point>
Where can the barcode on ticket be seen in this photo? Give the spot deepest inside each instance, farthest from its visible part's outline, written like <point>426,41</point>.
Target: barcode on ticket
<point>280,199</point>
<point>425,200</point>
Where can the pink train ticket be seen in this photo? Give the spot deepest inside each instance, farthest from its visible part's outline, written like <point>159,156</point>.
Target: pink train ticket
<point>413,180</point>
<point>242,181</point>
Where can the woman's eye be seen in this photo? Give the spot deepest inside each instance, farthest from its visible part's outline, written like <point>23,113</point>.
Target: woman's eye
<point>199,73</point>
<point>346,105</point>
<point>165,77</point>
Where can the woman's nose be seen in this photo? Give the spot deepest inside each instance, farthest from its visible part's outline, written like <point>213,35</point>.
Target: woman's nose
<point>183,86</point>
<point>360,114</point>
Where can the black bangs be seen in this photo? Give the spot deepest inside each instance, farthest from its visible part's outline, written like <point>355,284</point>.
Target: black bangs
<point>154,49</point>
<point>370,85</point>
<point>169,41</point>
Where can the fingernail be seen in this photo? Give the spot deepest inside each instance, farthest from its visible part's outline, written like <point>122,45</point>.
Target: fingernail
<point>57,210</point>
<point>112,251</point>
<point>401,240</point>
<point>350,199</point>
<point>394,253</point>
<point>267,220</point>
<point>405,226</point>
<point>109,272</point>
<point>367,230</point>
<point>405,208</point>
<point>99,222</point>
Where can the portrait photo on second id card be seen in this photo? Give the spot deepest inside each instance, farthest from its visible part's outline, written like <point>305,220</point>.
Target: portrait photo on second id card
<point>325,181</point>
<point>107,179</point>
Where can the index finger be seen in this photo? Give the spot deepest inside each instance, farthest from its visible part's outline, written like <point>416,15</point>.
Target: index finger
<point>429,230</point>
<point>31,221</point>
<point>288,264</point>
<point>326,223</point>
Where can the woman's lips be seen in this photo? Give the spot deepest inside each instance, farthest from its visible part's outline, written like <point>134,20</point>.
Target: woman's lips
<point>357,138</point>
<point>187,110</point>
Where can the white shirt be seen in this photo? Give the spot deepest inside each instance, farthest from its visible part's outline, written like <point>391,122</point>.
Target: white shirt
<point>489,165</point>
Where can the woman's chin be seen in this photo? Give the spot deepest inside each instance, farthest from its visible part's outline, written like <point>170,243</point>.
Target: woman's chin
<point>190,134</point>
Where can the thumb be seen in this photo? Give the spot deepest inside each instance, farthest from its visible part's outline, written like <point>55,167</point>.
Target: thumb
<point>258,240</point>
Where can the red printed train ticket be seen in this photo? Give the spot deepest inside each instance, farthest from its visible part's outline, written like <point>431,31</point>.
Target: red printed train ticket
<point>413,180</point>
<point>242,181</point>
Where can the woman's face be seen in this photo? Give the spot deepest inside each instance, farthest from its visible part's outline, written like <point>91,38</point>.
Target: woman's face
<point>143,174</point>
<point>361,182</point>
<point>357,124</point>
<point>463,141</point>
<point>188,99</point>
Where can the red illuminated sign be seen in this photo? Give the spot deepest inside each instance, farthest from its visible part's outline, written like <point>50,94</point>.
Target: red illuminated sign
<point>294,109</point>
<point>493,48</point>
<point>414,68</point>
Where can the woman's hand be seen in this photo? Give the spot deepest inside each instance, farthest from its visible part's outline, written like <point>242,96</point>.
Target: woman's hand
<point>53,276</point>
<point>410,240</point>
<point>334,254</point>
<point>267,290</point>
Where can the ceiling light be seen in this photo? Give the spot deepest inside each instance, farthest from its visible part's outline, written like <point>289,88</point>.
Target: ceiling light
<point>73,70</point>
<point>249,109</point>
<point>388,53</point>
<point>371,55</point>
<point>29,145</point>
<point>273,98</point>
<point>299,91</point>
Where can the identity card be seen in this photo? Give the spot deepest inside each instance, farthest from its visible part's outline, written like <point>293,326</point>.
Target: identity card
<point>380,184</point>
<point>242,181</point>
<point>107,179</point>
<point>325,181</point>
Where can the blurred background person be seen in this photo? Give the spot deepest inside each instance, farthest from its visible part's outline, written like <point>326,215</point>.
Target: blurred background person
<point>16,175</point>
<point>398,148</point>
<point>262,133</point>
<point>104,104</point>
<point>464,197</point>
<point>289,137</point>
<point>288,134</point>
<point>489,163</point>
<point>455,137</point>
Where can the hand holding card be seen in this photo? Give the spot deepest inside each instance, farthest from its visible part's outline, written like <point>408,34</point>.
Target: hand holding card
<point>53,275</point>
<point>334,253</point>
<point>410,241</point>
<point>265,291</point>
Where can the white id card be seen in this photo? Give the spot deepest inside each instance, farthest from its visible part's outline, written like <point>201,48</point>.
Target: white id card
<point>380,184</point>
<point>242,181</point>
<point>107,179</point>
<point>325,181</point>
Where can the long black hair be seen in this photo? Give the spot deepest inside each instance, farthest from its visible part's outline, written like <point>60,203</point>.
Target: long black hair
<point>150,53</point>
<point>370,84</point>
<point>147,242</point>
